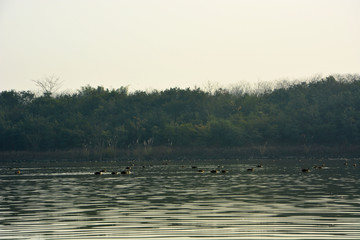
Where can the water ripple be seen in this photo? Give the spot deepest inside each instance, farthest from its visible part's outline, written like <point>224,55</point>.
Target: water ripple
<point>177,202</point>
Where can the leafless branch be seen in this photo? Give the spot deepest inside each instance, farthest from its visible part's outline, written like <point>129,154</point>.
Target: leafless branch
<point>49,85</point>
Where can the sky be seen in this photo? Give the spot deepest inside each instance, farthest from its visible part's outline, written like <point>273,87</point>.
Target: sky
<point>159,44</point>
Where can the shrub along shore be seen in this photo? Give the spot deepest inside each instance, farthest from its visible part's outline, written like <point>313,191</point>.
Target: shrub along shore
<point>316,117</point>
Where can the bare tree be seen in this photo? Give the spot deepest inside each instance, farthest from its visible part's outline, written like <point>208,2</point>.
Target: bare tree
<point>240,89</point>
<point>49,85</point>
<point>211,87</point>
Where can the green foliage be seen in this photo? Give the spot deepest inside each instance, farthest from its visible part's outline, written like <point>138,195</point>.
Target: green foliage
<point>325,112</point>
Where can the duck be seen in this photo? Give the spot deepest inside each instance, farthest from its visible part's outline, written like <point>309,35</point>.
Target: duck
<point>98,173</point>
<point>114,173</point>
<point>214,171</point>
<point>250,169</point>
<point>201,171</point>
<point>317,167</point>
<point>224,171</point>
<point>17,172</point>
<point>126,172</point>
<point>305,170</point>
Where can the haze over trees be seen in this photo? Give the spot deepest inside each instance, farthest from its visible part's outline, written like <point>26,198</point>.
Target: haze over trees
<point>319,112</point>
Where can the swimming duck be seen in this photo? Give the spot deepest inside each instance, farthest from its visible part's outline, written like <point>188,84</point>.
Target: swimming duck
<point>126,172</point>
<point>305,170</point>
<point>250,169</point>
<point>214,171</point>
<point>98,173</point>
<point>317,167</point>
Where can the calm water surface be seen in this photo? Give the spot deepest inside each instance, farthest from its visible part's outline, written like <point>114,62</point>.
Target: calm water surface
<point>175,201</point>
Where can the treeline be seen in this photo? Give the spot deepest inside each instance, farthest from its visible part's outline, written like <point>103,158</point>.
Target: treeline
<point>321,112</point>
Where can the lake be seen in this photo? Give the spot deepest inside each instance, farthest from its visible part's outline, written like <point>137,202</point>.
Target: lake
<point>173,200</point>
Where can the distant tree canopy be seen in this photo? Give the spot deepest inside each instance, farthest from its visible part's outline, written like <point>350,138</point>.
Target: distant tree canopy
<point>325,112</point>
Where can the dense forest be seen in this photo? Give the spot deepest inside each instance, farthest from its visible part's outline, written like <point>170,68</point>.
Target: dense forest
<point>322,112</point>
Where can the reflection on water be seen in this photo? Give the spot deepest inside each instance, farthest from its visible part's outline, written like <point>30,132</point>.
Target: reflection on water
<point>277,201</point>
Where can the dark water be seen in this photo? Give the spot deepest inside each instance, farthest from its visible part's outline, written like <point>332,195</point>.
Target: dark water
<point>175,201</point>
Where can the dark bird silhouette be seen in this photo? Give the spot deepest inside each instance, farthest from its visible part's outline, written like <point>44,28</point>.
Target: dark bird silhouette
<point>126,172</point>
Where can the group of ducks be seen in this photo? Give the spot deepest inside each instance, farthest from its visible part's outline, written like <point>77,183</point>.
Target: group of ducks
<point>314,167</point>
<point>126,171</point>
<point>346,163</point>
<point>213,171</point>
<point>322,166</point>
<point>224,170</point>
<point>252,169</point>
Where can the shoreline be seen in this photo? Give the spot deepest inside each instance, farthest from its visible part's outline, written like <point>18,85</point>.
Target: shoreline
<point>184,153</point>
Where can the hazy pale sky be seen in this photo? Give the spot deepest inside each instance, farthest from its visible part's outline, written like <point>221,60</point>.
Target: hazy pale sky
<point>158,44</point>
